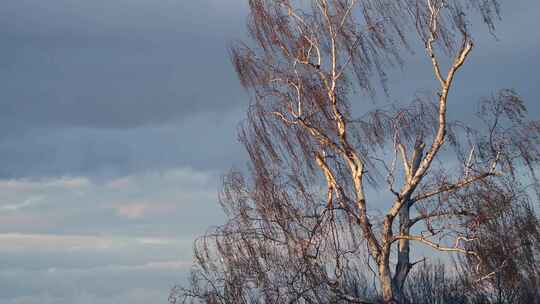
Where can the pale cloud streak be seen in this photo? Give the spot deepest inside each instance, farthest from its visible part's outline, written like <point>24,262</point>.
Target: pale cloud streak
<point>140,210</point>
<point>25,184</point>
<point>28,202</point>
<point>143,202</point>
<point>17,242</point>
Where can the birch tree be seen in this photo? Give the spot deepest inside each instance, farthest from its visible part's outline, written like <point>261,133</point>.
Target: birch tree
<point>301,223</point>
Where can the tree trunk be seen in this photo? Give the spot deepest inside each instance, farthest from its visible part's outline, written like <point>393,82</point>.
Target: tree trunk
<point>392,286</point>
<point>387,286</point>
<point>403,265</point>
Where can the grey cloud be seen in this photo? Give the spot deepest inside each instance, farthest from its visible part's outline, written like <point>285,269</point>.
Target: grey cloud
<point>114,64</point>
<point>206,141</point>
<point>85,287</point>
<point>79,269</point>
<point>79,253</point>
<point>133,296</point>
<point>107,88</point>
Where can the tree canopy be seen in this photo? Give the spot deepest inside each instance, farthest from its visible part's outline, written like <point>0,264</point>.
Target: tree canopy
<point>303,225</point>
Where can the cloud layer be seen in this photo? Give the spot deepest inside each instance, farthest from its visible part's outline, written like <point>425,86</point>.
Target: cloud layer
<point>76,240</point>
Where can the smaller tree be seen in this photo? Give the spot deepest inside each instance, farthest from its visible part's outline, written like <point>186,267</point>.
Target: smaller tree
<point>508,245</point>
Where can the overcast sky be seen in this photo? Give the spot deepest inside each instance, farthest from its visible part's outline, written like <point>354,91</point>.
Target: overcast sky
<point>117,119</point>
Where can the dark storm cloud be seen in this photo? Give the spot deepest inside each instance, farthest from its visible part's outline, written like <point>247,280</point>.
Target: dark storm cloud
<point>106,88</point>
<point>114,64</point>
